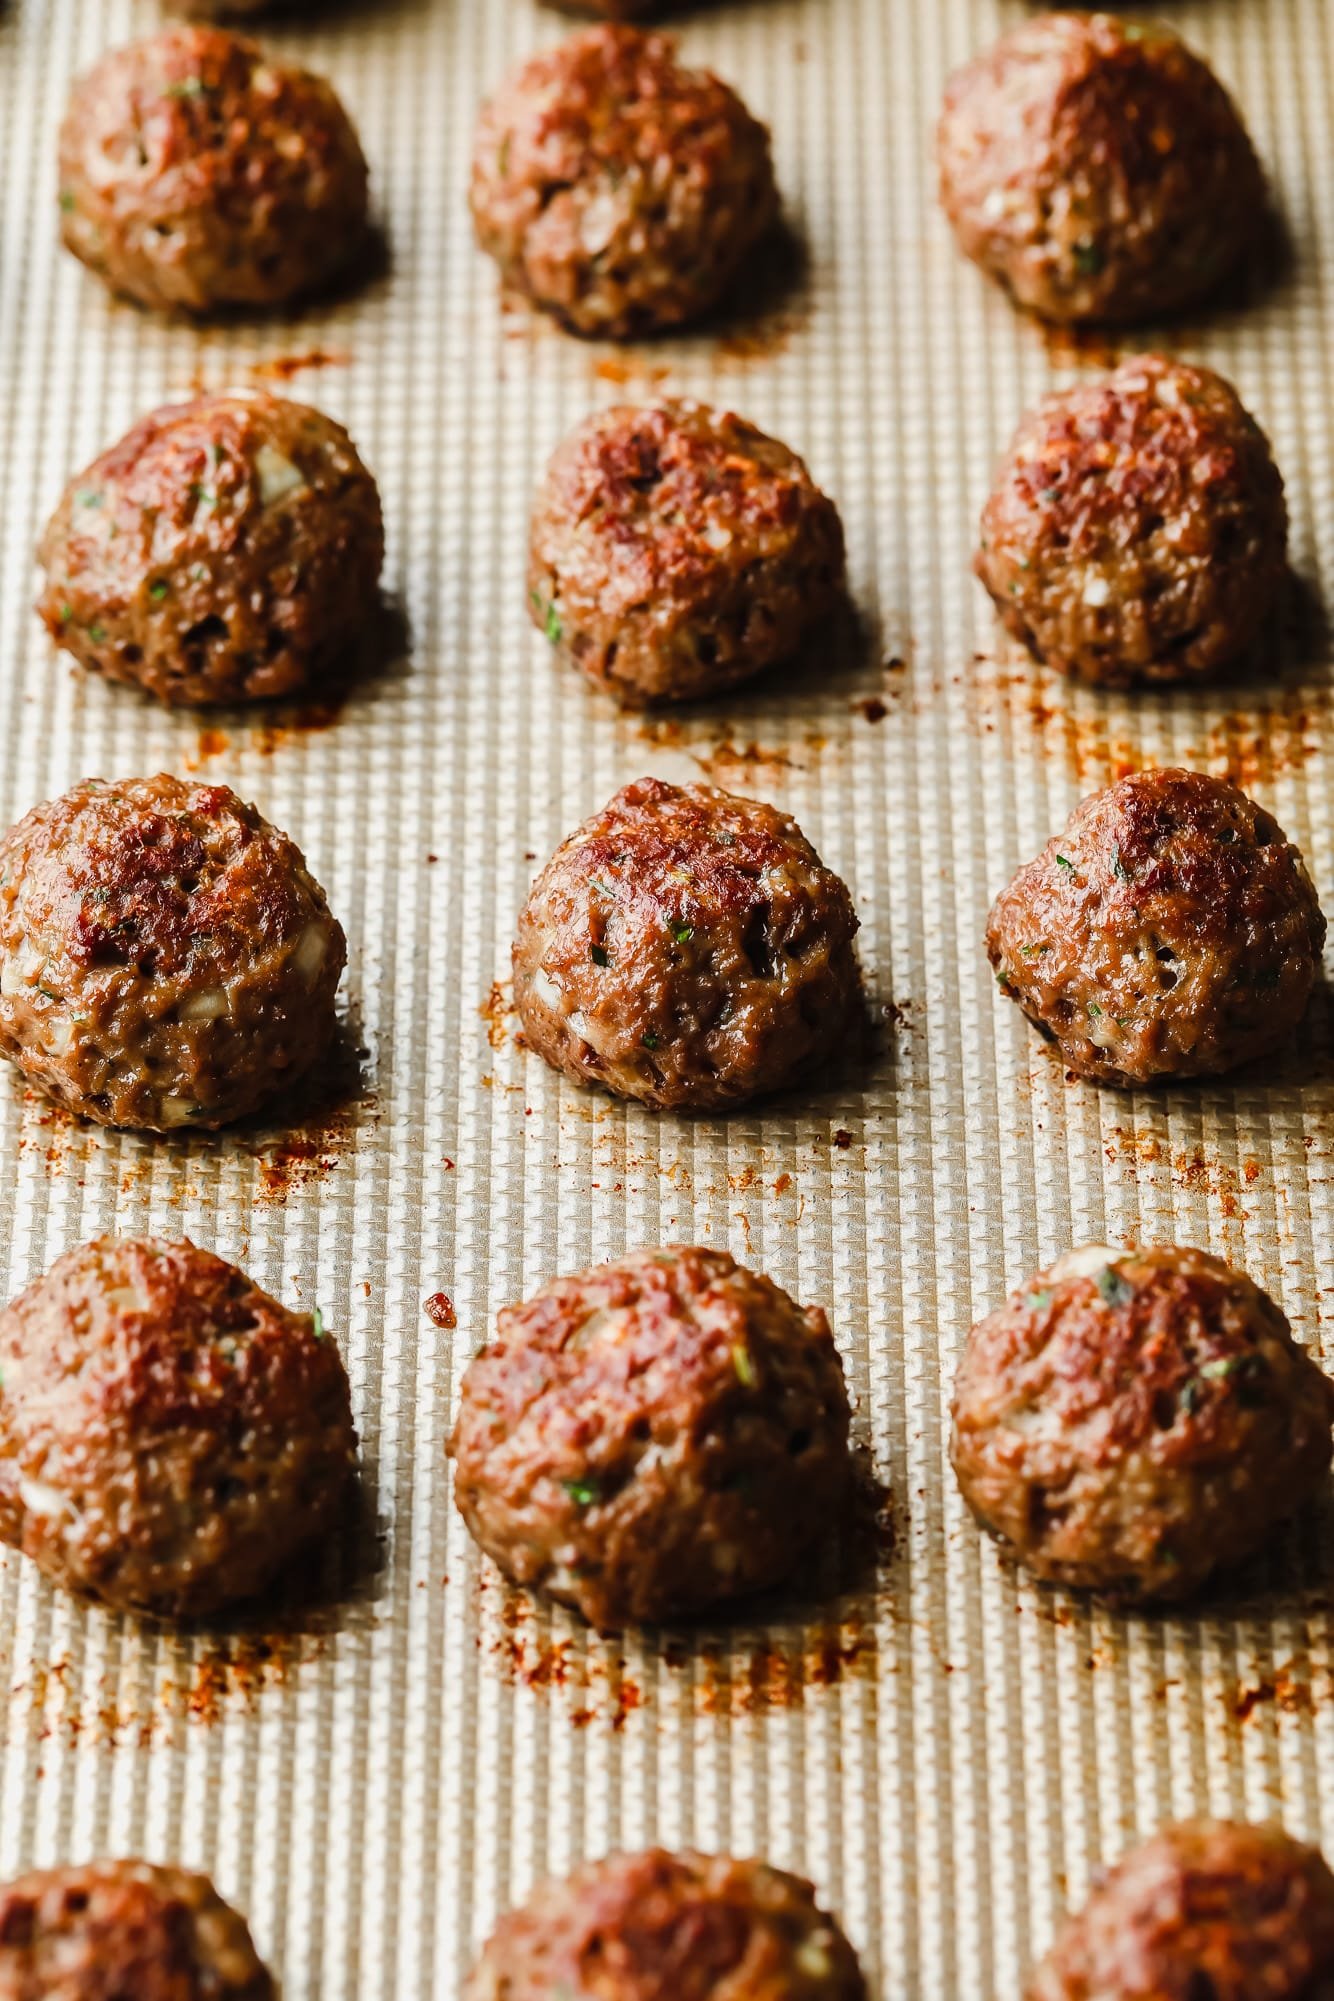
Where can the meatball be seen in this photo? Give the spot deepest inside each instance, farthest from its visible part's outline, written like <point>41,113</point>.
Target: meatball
<point>170,1437</point>
<point>647,1438</point>
<point>1130,1422</point>
<point>618,190</point>
<point>166,959</point>
<point>226,549</point>
<point>107,1929</point>
<point>688,948</point>
<point>677,551</point>
<point>1170,931</point>
<point>1210,1908</point>
<point>197,174</point>
<point>1137,530</point>
<point>1098,168</point>
<point>663,1927</point>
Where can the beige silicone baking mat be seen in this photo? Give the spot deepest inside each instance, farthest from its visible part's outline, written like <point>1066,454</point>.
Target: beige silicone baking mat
<point>376,1768</point>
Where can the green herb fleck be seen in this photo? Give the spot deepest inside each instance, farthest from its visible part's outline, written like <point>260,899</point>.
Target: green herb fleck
<point>1189,1395</point>
<point>158,590</point>
<point>599,955</point>
<point>1119,869</point>
<point>552,626</point>
<point>66,200</point>
<point>1094,1010</point>
<point>66,613</point>
<point>1064,861</point>
<point>743,1363</point>
<point>1228,834</point>
<point>317,1324</point>
<point>650,1041</point>
<point>1089,259</point>
<point>1222,1367</point>
<point>204,495</point>
<point>683,933</point>
<point>1116,1290</point>
<point>582,1492</point>
<point>49,994</point>
<point>1040,1300</point>
<point>90,497</point>
<point>190,86</point>
<point>1002,978</point>
<point>97,634</point>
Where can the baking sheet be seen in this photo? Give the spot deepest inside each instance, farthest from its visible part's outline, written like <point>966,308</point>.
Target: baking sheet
<point>374,1767</point>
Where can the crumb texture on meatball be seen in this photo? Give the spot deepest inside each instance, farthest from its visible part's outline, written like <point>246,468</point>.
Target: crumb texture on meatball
<point>166,958</point>
<point>1131,1422</point>
<point>197,174</point>
<point>170,1436</point>
<point>1171,930</point>
<point>1098,168</point>
<point>617,189</point>
<point>669,1927</point>
<point>1137,529</point>
<point>650,1437</point>
<point>677,551</point>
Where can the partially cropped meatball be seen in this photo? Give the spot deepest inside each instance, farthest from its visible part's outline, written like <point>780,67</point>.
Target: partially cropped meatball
<point>197,174</point>
<point>650,1437</point>
<point>688,948</point>
<point>166,958</point>
<point>676,551</point>
<point>1098,168</point>
<point>663,1927</point>
<point>1206,1908</point>
<point>1170,931</point>
<point>226,549</point>
<point>1131,1422</point>
<point>170,1437</point>
<point>620,191</point>
<point>1137,529</point>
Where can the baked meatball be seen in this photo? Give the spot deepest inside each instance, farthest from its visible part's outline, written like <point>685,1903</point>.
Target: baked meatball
<point>663,1927</point>
<point>677,551</point>
<point>687,948</point>
<point>197,174</point>
<point>105,1930</point>
<point>166,958</point>
<point>1207,1908</point>
<point>1098,168</point>
<point>1130,1422</point>
<point>170,1437</point>
<point>647,1438</point>
<point>1170,931</point>
<point>620,191</point>
<point>227,549</point>
<point>1137,530</point>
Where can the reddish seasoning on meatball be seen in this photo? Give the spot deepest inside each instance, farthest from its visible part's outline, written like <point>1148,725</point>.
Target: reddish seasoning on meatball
<point>651,1437</point>
<point>227,549</point>
<point>166,958</point>
<point>170,1436</point>
<point>1212,1908</point>
<point>688,948</point>
<point>1170,931</point>
<point>1137,529</point>
<point>677,551</point>
<point>1098,168</point>
<point>1131,1422</point>
<point>618,190</point>
<point>197,174</point>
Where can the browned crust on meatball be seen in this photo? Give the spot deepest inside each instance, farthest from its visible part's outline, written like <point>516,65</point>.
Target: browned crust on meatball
<point>1206,1907</point>
<point>1129,1423</point>
<point>669,1927</point>
<point>1170,931</point>
<point>677,551</point>
<point>226,549</point>
<point>166,958</point>
<point>197,174</point>
<point>687,948</point>
<point>1098,169</point>
<point>650,1437</point>
<point>616,188</point>
<point>101,1931</point>
<point>1137,529</point>
<point>170,1436</point>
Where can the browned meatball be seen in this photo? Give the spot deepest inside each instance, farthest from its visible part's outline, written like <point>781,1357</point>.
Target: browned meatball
<point>649,1437</point>
<point>226,549</point>
<point>678,551</point>
<point>1170,931</point>
<point>170,1436</point>
<point>617,189</point>
<point>1098,168</point>
<point>1137,530</point>
<point>1206,1911</point>
<point>166,959</point>
<point>686,947</point>
<point>196,173</point>
<point>1131,1422</point>
<point>662,1927</point>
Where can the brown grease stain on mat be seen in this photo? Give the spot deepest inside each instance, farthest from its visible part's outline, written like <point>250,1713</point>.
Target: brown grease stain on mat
<point>1191,1169</point>
<point>282,367</point>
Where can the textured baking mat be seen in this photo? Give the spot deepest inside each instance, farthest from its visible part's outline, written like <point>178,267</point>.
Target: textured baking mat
<point>374,1768</point>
